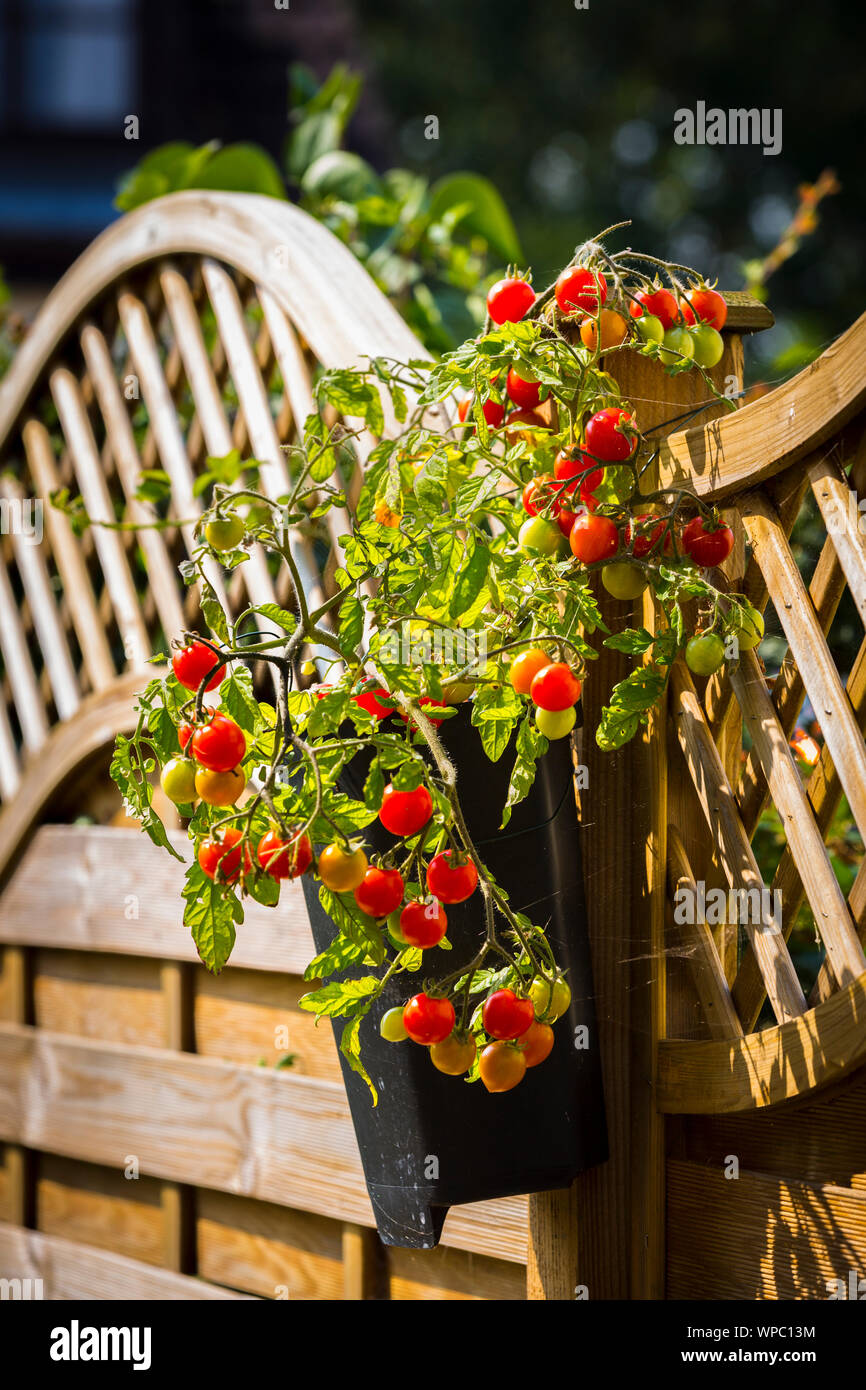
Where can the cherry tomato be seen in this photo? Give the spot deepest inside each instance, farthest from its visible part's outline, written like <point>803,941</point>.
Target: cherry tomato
<point>404,813</point>
<point>593,538</point>
<point>375,701</point>
<point>428,1020</point>
<point>580,289</point>
<point>536,1043</point>
<point>225,532</point>
<point>705,654</point>
<point>539,536</point>
<point>708,305</point>
<point>551,999</point>
<point>751,634</point>
<point>219,788</point>
<point>391,1026</point>
<point>526,394</point>
<point>395,931</point>
<point>284,858</point>
<point>178,780</point>
<point>493,412</point>
<point>555,724</point>
<point>706,545</point>
<point>660,303</point>
<point>220,744</point>
<point>380,891</point>
<point>386,516</point>
<point>505,1015</point>
<point>502,1066</point>
<point>651,329</point>
<point>708,345</point>
<point>449,880</point>
<point>423,924</point>
<point>341,871</point>
<point>191,664</point>
<point>614,331</point>
<point>647,540</point>
<point>555,687</point>
<point>677,344</point>
<point>541,494</point>
<point>463,408</point>
<point>509,299</point>
<point>623,581</point>
<point>222,854</point>
<point>525,667</point>
<point>565,519</point>
<point>185,731</point>
<point>577,466</point>
<point>523,424</point>
<point>455,1054</point>
<point>605,438</point>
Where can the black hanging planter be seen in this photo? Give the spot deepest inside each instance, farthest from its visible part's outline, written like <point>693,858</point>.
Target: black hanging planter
<point>434,1141</point>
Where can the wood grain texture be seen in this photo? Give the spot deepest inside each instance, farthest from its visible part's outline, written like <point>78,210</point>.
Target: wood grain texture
<point>248,1130</point>
<point>249,1017</point>
<point>760,1236</point>
<point>697,941</point>
<point>113,998</point>
<point>445,1274</point>
<point>100,1207</point>
<point>268,1250</point>
<point>763,1069</point>
<point>73,1272</point>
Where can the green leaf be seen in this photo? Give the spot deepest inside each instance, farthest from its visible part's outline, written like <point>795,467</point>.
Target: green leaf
<point>341,953</point>
<point>350,1046</point>
<point>236,694</point>
<point>281,616</point>
<point>630,703</point>
<point>470,580</point>
<point>374,787</point>
<point>136,792</point>
<point>633,641</point>
<point>340,174</point>
<point>486,213</point>
<point>213,613</point>
<point>240,168</point>
<point>211,913</point>
<point>530,746</point>
<point>341,998</point>
<point>351,622</point>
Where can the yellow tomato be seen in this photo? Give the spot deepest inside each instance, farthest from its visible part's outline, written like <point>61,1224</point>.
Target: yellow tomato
<point>219,788</point>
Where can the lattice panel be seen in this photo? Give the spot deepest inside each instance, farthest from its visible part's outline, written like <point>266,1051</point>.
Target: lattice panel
<point>737,975</point>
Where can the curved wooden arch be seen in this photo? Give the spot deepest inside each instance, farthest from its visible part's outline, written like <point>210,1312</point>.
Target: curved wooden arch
<point>744,448</point>
<point>313,277</point>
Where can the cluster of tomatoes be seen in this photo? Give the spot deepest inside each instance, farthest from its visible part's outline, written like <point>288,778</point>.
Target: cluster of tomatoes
<point>686,328</point>
<point>553,688</point>
<point>519,1027</point>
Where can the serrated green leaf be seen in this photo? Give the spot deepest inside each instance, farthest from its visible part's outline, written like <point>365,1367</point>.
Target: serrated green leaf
<point>210,914</point>
<point>341,998</point>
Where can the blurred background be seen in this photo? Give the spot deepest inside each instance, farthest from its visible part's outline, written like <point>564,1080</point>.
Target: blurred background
<point>569,112</point>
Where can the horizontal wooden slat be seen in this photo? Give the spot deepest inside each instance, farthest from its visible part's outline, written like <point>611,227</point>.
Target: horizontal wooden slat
<point>109,997</point>
<point>268,1250</point>
<point>760,1236</point>
<point>248,1130</point>
<point>102,888</point>
<point>760,1069</point>
<point>100,1207</point>
<point>72,1272</point>
<point>443,1274</point>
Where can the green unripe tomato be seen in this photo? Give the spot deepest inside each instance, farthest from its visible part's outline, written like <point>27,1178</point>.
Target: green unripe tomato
<point>678,343</point>
<point>623,581</point>
<point>705,654</point>
<point>555,723</point>
<point>540,537</point>
<point>707,345</point>
<point>551,1001</point>
<point>225,532</point>
<point>178,780</point>
<point>650,328</point>
<point>455,692</point>
<point>395,931</point>
<point>751,634</point>
<point>391,1026</point>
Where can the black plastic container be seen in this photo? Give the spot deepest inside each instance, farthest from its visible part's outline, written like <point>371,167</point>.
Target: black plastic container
<point>435,1141</point>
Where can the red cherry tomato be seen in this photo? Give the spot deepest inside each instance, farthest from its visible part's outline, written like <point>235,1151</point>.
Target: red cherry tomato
<point>526,394</point>
<point>705,546</point>
<point>541,495</point>
<point>404,813</point>
<point>427,1020</point>
<point>493,412</point>
<point>555,687</point>
<point>375,701</point>
<point>536,1043</point>
<point>661,303</point>
<point>522,424</point>
<point>565,520</point>
<point>219,745</point>
<point>185,732</point>
<point>380,891</point>
<point>579,289</point>
<point>223,853</point>
<point>191,664</point>
<point>708,305</point>
<point>593,538</point>
<point>509,299</point>
<point>450,881</point>
<point>284,858</point>
<point>647,538</point>
<point>506,1016</point>
<point>423,924</point>
<point>501,1066</point>
<point>604,436</point>
<point>578,466</point>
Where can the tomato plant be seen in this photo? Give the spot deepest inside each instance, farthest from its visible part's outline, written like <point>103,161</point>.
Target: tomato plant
<point>515,529</point>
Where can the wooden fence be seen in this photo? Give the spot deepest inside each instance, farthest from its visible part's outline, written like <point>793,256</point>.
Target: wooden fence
<point>149,1146</point>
